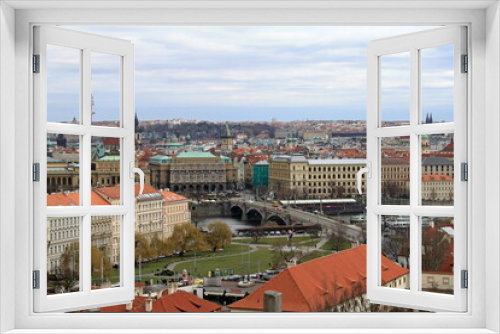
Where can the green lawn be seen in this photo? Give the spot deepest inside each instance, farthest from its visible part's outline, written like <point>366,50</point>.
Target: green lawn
<point>343,246</point>
<point>274,240</point>
<point>313,255</point>
<point>258,261</point>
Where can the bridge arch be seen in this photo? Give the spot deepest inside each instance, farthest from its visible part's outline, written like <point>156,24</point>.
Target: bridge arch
<point>278,219</point>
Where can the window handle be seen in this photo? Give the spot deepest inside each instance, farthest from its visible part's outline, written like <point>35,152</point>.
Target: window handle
<point>359,174</point>
<point>133,171</point>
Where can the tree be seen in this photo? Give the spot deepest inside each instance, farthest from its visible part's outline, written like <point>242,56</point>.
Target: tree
<point>435,247</point>
<point>100,264</point>
<point>219,234</point>
<point>142,248</point>
<point>284,250</point>
<point>70,261</point>
<point>70,266</point>
<point>160,247</point>
<point>186,237</point>
<point>338,237</point>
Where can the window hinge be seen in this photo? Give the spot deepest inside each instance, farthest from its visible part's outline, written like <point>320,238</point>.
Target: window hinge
<point>36,63</point>
<point>465,64</point>
<point>464,171</point>
<point>465,279</point>
<point>36,172</point>
<point>36,279</point>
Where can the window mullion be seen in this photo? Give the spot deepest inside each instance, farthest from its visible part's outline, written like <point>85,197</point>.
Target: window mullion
<point>414,167</point>
<point>86,251</point>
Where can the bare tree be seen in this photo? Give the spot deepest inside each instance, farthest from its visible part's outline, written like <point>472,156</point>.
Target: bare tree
<point>337,237</point>
<point>435,246</point>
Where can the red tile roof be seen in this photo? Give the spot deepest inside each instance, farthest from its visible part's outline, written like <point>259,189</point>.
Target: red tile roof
<point>169,196</point>
<point>73,199</point>
<point>326,281</point>
<point>428,178</point>
<point>114,192</point>
<point>180,301</point>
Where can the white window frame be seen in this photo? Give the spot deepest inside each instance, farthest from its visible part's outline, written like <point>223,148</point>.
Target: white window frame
<point>413,43</point>
<point>484,24</point>
<point>87,43</point>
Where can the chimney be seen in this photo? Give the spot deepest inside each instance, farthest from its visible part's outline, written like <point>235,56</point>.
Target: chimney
<point>149,304</point>
<point>128,307</point>
<point>172,287</point>
<point>272,301</point>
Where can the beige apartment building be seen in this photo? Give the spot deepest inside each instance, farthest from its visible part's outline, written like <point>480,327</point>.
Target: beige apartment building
<point>295,176</point>
<point>175,211</point>
<point>156,215</point>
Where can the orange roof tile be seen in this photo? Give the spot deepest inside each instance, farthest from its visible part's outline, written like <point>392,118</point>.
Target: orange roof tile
<point>180,301</point>
<point>73,199</point>
<point>328,280</point>
<point>428,178</point>
<point>169,196</point>
<point>114,192</point>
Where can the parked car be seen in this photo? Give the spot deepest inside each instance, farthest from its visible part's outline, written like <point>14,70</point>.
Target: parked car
<point>234,277</point>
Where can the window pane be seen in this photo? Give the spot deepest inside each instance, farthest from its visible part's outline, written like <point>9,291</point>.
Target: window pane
<point>437,254</point>
<point>63,169</point>
<point>105,89</point>
<point>395,170</point>
<point>437,81</point>
<point>105,251</point>
<point>63,254</point>
<point>395,237</point>
<point>106,170</point>
<point>63,84</point>
<point>395,89</point>
<point>437,169</point>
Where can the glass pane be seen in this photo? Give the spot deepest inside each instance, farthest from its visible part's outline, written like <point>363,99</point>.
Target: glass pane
<point>105,89</point>
<point>63,84</point>
<point>105,252</point>
<point>437,169</point>
<point>437,254</point>
<point>63,169</point>
<point>395,238</point>
<point>395,89</point>
<point>63,254</point>
<point>395,170</point>
<point>437,82</point>
<point>106,170</point>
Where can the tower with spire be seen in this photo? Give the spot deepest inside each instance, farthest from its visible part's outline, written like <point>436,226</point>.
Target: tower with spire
<point>137,133</point>
<point>428,119</point>
<point>227,140</point>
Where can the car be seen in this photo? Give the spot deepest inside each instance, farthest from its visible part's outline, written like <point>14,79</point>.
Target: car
<point>198,281</point>
<point>234,277</point>
<point>271,233</point>
<point>277,233</point>
<point>268,277</point>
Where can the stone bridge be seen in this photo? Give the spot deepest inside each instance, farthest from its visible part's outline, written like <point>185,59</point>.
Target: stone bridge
<point>289,216</point>
<point>264,213</point>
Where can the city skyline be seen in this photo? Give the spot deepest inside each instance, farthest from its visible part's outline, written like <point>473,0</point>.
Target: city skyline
<point>274,72</point>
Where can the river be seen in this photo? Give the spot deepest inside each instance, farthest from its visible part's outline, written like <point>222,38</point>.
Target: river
<point>233,223</point>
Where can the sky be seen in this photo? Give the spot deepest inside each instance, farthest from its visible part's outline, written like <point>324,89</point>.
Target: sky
<point>250,74</point>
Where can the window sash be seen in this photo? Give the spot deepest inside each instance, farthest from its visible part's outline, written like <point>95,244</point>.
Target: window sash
<point>414,298</point>
<point>85,298</point>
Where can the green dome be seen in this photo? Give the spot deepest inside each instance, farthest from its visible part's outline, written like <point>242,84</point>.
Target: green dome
<point>161,159</point>
<point>224,159</point>
<point>110,158</point>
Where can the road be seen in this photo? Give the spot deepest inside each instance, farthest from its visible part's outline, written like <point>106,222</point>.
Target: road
<point>352,232</point>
